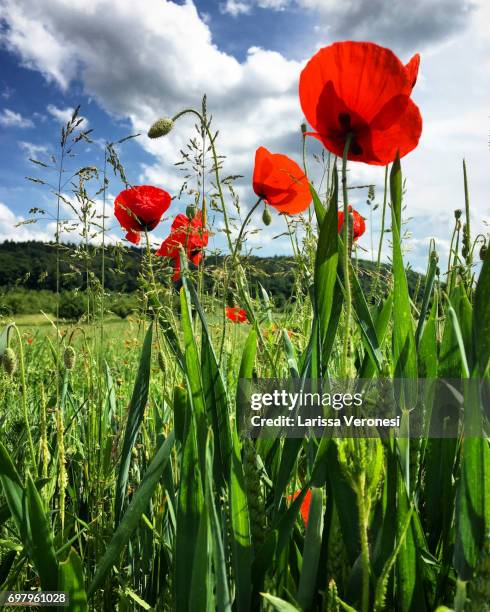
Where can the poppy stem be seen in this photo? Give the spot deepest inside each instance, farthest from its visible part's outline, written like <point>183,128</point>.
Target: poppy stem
<point>216,168</point>
<point>346,258</point>
<point>381,237</point>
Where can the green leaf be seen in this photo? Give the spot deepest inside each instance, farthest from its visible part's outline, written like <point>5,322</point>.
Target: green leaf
<point>135,416</point>
<point>70,579</point>
<point>404,350</point>
<point>241,542</point>
<point>190,510</point>
<point>326,261</point>
<point>39,541</point>
<point>279,604</point>
<point>246,372</point>
<point>320,210</point>
<point>13,490</point>
<point>481,319</point>
<point>193,377</point>
<point>223,599</point>
<point>381,325</point>
<point>429,285</point>
<point>138,505</point>
<point>472,487</point>
<point>215,395</point>
<point>311,551</point>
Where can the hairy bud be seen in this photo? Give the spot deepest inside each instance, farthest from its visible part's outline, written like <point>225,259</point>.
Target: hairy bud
<point>266,216</point>
<point>69,357</point>
<point>161,127</point>
<point>191,211</point>
<point>9,361</point>
<point>457,213</point>
<point>303,128</point>
<point>483,252</point>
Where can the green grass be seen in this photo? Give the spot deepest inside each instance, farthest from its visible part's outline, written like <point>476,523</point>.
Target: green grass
<point>126,482</point>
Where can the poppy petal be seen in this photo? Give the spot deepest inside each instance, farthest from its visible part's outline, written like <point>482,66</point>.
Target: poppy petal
<point>412,69</point>
<point>134,237</point>
<point>364,75</point>
<point>401,137</point>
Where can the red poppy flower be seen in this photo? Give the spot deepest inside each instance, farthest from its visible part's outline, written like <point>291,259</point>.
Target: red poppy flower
<point>188,234</point>
<point>236,314</point>
<point>280,182</point>
<point>362,89</point>
<point>140,209</point>
<point>305,505</point>
<point>359,223</point>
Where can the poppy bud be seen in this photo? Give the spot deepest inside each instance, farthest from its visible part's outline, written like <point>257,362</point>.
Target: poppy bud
<point>191,211</point>
<point>9,361</point>
<point>483,252</point>
<point>161,127</point>
<point>303,128</point>
<point>69,357</point>
<point>438,271</point>
<point>457,213</point>
<point>266,216</point>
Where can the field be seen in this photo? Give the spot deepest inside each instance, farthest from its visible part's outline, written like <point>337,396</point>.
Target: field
<point>126,479</point>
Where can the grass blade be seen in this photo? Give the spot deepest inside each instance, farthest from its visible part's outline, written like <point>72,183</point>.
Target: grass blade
<point>135,416</point>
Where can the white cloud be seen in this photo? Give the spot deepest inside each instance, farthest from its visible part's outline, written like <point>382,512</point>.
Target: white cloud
<point>33,150</point>
<point>255,102</point>
<point>8,230</point>
<point>9,118</point>
<point>235,8</point>
<point>64,115</point>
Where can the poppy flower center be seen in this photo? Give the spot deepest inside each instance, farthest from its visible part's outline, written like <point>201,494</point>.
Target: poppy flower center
<point>345,124</point>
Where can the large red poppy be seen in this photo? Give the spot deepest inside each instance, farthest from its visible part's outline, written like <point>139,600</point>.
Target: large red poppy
<point>236,314</point>
<point>359,225</point>
<point>362,89</point>
<point>188,234</point>
<point>280,182</point>
<point>140,209</point>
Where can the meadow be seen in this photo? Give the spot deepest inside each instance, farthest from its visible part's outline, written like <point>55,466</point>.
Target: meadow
<point>126,481</point>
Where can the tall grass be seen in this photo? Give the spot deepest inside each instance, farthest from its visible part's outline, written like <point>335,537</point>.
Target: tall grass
<point>127,483</point>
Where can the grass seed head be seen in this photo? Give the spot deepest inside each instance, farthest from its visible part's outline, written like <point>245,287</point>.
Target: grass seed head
<point>161,127</point>
<point>9,361</point>
<point>69,357</point>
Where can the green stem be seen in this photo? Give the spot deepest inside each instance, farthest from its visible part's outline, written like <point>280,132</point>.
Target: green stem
<point>25,408</point>
<point>216,169</point>
<point>234,255</point>
<point>381,237</point>
<point>346,257</point>
<point>467,208</point>
<point>363,510</point>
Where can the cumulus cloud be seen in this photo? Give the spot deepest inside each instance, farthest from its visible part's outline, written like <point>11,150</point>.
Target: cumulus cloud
<point>11,230</point>
<point>399,24</point>
<point>9,118</point>
<point>235,8</point>
<point>63,115</point>
<point>33,150</point>
<point>254,102</point>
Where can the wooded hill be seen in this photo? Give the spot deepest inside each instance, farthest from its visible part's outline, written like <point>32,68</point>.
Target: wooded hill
<point>32,265</point>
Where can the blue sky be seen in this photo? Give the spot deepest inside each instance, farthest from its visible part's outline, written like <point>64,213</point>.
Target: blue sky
<point>127,66</point>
